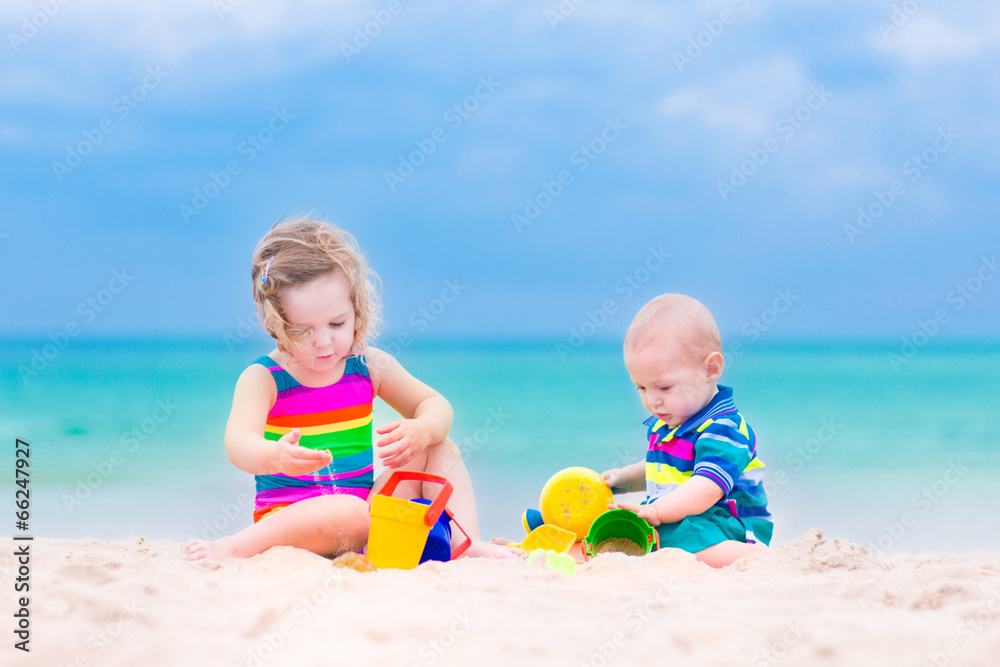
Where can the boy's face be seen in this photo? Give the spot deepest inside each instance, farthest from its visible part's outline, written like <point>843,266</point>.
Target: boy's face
<point>672,384</point>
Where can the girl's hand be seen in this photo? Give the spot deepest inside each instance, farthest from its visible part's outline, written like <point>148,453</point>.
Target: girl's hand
<point>647,512</point>
<point>294,460</point>
<point>406,438</point>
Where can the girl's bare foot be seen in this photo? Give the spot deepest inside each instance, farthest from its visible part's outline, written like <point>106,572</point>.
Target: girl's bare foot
<point>481,549</point>
<point>203,550</point>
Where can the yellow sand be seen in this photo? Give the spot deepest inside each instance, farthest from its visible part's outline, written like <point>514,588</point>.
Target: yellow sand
<point>618,545</point>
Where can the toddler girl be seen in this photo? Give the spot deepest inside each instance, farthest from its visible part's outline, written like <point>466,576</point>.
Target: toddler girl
<point>301,420</point>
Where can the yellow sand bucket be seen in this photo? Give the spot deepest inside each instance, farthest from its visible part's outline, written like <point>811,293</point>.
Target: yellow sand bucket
<point>399,528</point>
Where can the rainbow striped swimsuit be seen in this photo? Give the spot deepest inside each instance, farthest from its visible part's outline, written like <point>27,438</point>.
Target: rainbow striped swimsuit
<point>337,418</point>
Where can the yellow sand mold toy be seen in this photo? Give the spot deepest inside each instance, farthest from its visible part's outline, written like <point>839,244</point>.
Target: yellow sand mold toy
<point>572,499</point>
<point>547,537</point>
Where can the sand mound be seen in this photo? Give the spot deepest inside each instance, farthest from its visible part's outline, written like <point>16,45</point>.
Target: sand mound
<point>814,553</point>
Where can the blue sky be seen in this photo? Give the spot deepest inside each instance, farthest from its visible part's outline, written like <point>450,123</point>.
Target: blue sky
<point>721,149</point>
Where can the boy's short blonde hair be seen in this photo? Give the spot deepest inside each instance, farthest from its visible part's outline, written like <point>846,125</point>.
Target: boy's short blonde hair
<point>299,250</point>
<point>680,316</point>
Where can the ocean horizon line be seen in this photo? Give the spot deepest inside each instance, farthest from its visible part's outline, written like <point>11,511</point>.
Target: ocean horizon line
<point>401,340</point>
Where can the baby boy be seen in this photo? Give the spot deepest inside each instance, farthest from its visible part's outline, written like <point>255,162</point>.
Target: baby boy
<point>703,480</point>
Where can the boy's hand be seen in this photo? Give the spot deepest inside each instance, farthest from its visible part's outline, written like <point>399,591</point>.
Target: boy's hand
<point>406,438</point>
<point>647,512</point>
<point>616,479</point>
<point>294,460</point>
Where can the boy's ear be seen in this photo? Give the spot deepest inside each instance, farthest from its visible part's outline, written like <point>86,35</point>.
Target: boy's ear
<point>713,366</point>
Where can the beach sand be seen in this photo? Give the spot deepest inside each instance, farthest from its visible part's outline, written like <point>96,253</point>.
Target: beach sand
<point>813,601</point>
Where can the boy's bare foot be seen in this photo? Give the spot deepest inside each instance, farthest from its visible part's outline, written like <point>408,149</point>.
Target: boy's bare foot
<point>203,550</point>
<point>480,549</point>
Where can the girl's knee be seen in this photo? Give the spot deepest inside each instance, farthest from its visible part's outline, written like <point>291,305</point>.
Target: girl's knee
<point>355,507</point>
<point>445,457</point>
<point>447,447</point>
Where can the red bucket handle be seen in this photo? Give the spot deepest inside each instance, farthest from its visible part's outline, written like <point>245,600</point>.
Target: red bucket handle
<point>463,547</point>
<point>437,506</point>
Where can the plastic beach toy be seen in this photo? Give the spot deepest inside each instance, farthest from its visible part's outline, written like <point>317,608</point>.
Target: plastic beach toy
<point>400,528</point>
<point>572,499</point>
<point>354,561</point>
<point>438,546</point>
<point>620,530</point>
<point>554,561</point>
<point>547,537</point>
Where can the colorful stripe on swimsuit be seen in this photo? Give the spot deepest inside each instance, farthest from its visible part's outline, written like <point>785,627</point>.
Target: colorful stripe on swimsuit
<point>336,418</point>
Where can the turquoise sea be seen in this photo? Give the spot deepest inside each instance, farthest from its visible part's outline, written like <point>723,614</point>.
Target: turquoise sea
<point>126,436</point>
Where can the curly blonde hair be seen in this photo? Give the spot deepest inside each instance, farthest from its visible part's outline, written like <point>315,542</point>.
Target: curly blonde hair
<point>302,249</point>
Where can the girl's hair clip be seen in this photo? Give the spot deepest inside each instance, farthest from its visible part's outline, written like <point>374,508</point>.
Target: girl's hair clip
<point>263,278</point>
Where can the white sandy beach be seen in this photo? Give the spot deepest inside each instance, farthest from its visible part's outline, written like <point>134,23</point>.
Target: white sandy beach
<point>813,601</point>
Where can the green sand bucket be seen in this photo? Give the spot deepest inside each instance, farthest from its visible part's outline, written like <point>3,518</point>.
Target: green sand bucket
<point>622,531</point>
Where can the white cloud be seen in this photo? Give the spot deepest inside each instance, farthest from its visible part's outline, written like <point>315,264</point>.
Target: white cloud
<point>850,175</point>
<point>927,38</point>
<point>24,83</point>
<point>13,134</point>
<point>745,101</point>
<point>250,40</point>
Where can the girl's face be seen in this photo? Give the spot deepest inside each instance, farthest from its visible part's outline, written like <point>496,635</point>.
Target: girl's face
<point>321,309</point>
